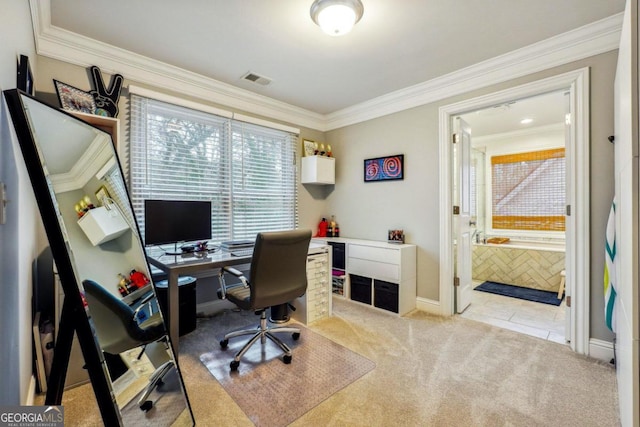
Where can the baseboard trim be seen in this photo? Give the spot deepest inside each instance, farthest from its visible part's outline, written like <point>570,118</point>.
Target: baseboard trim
<point>429,306</point>
<point>601,350</point>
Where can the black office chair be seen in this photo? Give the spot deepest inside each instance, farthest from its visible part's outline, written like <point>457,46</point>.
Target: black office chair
<point>118,330</point>
<point>277,276</point>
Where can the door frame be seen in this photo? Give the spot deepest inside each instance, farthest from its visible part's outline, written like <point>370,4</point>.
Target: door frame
<point>577,233</point>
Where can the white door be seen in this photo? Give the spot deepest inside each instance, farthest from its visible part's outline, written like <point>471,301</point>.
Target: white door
<point>626,149</point>
<point>569,258</point>
<point>463,221</point>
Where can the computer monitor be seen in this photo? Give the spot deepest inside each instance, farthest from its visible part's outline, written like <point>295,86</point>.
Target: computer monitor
<point>175,221</point>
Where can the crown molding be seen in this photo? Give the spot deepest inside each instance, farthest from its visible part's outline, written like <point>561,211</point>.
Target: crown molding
<point>599,37</point>
<point>63,45</point>
<point>593,39</point>
<point>94,158</point>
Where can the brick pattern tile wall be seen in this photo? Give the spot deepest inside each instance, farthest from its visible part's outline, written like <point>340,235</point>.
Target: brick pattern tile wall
<point>529,268</point>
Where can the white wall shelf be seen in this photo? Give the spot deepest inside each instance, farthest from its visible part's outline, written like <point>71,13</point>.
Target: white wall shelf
<point>318,170</point>
<point>102,225</point>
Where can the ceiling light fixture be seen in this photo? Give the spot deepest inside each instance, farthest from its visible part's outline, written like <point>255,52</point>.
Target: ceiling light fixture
<point>526,121</point>
<point>336,17</point>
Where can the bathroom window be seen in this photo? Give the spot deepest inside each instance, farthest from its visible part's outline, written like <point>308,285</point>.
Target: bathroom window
<point>528,191</point>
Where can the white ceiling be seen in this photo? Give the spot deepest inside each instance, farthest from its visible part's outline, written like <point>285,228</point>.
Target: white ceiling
<point>543,110</point>
<point>396,45</point>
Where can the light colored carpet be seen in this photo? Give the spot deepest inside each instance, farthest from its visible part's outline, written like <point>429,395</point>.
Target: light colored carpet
<point>434,371</point>
<point>270,392</point>
<point>168,405</point>
<point>430,371</point>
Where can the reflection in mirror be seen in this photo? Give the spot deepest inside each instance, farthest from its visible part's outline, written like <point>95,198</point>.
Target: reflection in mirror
<point>83,178</point>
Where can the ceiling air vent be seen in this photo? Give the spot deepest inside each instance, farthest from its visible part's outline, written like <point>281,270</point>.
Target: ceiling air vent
<point>255,78</point>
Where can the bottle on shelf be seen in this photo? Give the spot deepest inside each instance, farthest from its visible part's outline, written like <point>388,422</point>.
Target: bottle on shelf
<point>125,283</point>
<point>334,229</point>
<point>122,288</point>
<point>88,202</point>
<point>322,228</point>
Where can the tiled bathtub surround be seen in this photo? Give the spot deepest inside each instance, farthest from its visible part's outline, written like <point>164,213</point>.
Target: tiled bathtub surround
<point>530,266</point>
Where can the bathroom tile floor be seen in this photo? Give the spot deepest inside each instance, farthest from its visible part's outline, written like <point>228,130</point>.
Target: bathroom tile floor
<point>539,320</point>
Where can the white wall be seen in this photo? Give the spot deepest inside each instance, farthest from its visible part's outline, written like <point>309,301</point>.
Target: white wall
<point>20,236</point>
<point>367,210</point>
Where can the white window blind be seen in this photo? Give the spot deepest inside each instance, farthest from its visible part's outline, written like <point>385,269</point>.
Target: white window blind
<point>247,171</point>
<point>118,192</point>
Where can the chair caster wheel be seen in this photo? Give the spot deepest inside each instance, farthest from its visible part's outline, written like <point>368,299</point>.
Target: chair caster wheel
<point>234,365</point>
<point>224,344</point>
<point>295,336</point>
<point>146,406</point>
<point>286,359</point>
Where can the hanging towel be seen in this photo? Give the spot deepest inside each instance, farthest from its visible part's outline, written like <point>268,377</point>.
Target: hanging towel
<point>609,270</point>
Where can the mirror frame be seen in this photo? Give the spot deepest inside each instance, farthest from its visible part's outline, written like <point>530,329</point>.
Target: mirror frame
<point>73,317</point>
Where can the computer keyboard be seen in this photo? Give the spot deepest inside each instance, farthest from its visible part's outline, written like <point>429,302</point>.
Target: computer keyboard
<point>242,252</point>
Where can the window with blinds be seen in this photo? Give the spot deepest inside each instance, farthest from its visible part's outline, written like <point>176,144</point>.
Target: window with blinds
<point>528,191</point>
<point>246,170</point>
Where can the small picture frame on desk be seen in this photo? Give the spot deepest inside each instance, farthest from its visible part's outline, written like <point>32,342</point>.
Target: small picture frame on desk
<point>395,236</point>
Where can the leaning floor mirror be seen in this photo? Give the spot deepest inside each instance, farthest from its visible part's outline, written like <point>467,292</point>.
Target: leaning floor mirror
<point>109,300</point>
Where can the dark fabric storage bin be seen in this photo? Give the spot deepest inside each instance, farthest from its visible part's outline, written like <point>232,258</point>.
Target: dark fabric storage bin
<point>360,288</point>
<point>187,296</point>
<point>385,295</point>
<point>338,254</point>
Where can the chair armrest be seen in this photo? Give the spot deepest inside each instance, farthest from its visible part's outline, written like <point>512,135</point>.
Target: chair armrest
<point>144,301</point>
<point>222,292</point>
<point>234,271</point>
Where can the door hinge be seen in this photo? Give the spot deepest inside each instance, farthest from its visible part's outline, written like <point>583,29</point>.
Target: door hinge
<point>568,210</point>
<point>455,138</point>
<point>456,281</point>
<point>568,301</point>
<point>456,210</point>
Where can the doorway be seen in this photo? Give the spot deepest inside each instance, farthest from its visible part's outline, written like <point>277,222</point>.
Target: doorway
<point>577,231</point>
<point>517,168</point>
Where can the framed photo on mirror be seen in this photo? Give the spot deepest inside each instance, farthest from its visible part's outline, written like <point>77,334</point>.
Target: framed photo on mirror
<point>73,99</point>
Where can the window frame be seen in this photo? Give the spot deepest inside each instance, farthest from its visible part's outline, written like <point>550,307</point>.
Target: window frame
<point>513,149</point>
<point>290,148</point>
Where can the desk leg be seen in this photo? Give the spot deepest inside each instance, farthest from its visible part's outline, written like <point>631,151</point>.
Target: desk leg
<point>174,311</point>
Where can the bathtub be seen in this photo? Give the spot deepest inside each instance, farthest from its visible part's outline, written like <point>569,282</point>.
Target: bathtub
<point>532,264</point>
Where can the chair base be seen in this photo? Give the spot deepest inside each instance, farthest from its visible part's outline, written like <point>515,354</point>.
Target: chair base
<point>261,333</point>
<point>155,380</point>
